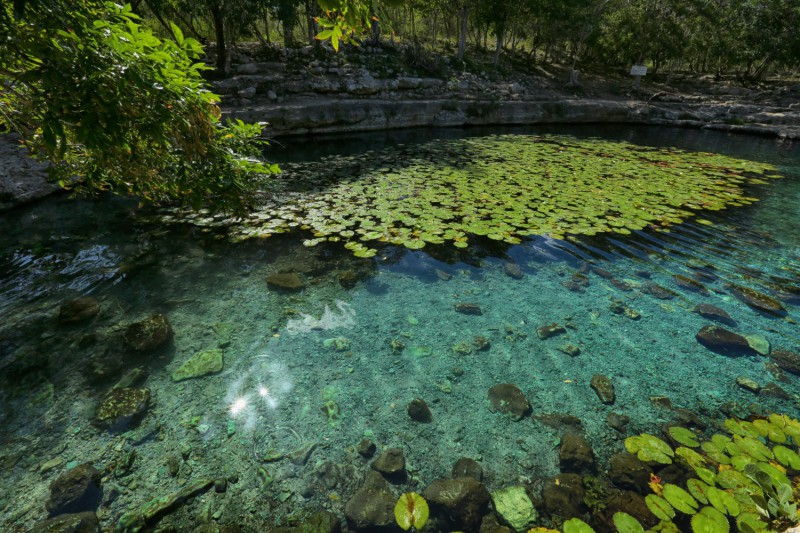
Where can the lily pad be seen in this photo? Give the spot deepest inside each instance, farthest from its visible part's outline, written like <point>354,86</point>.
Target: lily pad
<point>504,187</point>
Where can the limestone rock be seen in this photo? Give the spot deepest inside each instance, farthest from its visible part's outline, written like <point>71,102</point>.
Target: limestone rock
<point>508,399</point>
<point>575,454</point>
<point>604,388</point>
<point>390,462</point>
<point>418,410</point>
<point>288,281</point>
<point>560,421</point>
<point>758,300</point>
<point>122,408</point>
<point>78,310</point>
<point>372,506</point>
<point>199,365</point>
<point>786,360</point>
<point>748,384</point>
<point>466,467</point>
<point>628,472</point>
<point>74,491</point>
<point>712,312</point>
<point>512,270</point>
<point>549,331</point>
<point>563,496</point>
<point>148,334</point>
<point>758,343</point>
<point>464,498</point>
<point>85,522</point>
<point>722,341</point>
<point>514,507</point>
<point>153,510</point>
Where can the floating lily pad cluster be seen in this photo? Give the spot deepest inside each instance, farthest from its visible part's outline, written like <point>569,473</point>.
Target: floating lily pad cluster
<point>504,187</point>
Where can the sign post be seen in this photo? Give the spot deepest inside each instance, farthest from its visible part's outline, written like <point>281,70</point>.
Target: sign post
<point>637,71</point>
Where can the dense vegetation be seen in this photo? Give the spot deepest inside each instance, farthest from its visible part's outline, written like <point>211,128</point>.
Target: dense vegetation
<point>116,95</point>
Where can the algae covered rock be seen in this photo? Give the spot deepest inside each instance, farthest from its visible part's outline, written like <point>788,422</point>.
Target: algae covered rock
<point>514,507</point>
<point>712,312</point>
<point>786,360</point>
<point>604,388</point>
<point>201,364</point>
<point>508,399</point>
<point>85,522</point>
<point>122,408</point>
<point>575,454</point>
<point>390,462</point>
<point>758,300</point>
<point>286,281</point>
<point>148,334</point>
<point>419,411</point>
<point>549,331</point>
<point>563,495</point>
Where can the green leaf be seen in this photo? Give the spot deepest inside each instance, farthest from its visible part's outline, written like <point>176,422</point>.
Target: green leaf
<point>787,457</point>
<point>176,31</point>
<point>691,457</point>
<point>709,520</point>
<point>659,507</point>
<point>684,436</point>
<point>698,489</point>
<point>722,501</point>
<point>680,499</point>
<point>649,448</point>
<point>626,523</point>
<point>576,525</point>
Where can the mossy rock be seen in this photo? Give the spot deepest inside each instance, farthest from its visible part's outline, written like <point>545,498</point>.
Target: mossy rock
<point>201,364</point>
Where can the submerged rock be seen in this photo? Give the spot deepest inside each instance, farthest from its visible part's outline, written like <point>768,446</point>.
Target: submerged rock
<point>570,349</point>
<point>148,334</point>
<point>287,281</point>
<point>390,462</point>
<point>658,292</point>
<point>723,341</point>
<point>468,309</point>
<point>628,472</point>
<point>418,410</point>
<point>366,448</point>
<point>85,522</point>
<point>201,364</point>
<point>563,495</point>
<point>78,310</point>
<point>618,421</point>
<point>757,300</point>
<point>466,467</point>
<point>371,506</point>
<point>75,491</point>
<point>575,454</point>
<point>689,284</point>
<point>149,513</point>
<point>560,421</point>
<point>625,501</point>
<point>759,343</point>
<point>604,388</point>
<point>512,270</point>
<point>550,330</point>
<point>712,312</point>
<point>786,360</point>
<point>465,499</point>
<point>773,390</point>
<point>508,399</point>
<point>514,507</point>
<point>748,384</point>
<point>122,408</point>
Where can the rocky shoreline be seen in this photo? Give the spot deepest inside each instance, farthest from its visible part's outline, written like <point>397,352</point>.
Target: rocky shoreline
<point>366,90</point>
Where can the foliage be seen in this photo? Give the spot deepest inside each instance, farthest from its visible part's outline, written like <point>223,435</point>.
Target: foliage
<point>102,98</point>
<point>500,187</point>
<point>410,511</point>
<point>750,484</point>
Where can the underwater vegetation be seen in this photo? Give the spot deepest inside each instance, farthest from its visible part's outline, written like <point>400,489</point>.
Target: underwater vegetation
<point>504,187</point>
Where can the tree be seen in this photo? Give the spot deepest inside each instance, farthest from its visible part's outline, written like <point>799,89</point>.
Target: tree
<point>102,98</point>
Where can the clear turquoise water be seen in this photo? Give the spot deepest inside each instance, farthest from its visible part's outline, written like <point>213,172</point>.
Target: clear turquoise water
<point>279,371</point>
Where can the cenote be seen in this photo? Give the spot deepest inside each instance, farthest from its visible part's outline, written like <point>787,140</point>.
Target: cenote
<point>515,302</point>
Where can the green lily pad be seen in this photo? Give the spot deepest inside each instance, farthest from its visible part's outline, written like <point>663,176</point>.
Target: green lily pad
<point>709,520</point>
<point>504,187</point>
<point>626,523</point>
<point>659,507</point>
<point>649,448</point>
<point>680,499</point>
<point>687,437</point>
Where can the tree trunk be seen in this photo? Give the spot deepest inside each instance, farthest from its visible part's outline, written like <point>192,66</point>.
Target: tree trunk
<point>501,35</point>
<point>462,34</point>
<point>222,49</point>
<point>311,12</point>
<point>266,26</point>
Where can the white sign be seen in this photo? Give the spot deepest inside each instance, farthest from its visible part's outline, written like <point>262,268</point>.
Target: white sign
<point>639,70</point>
